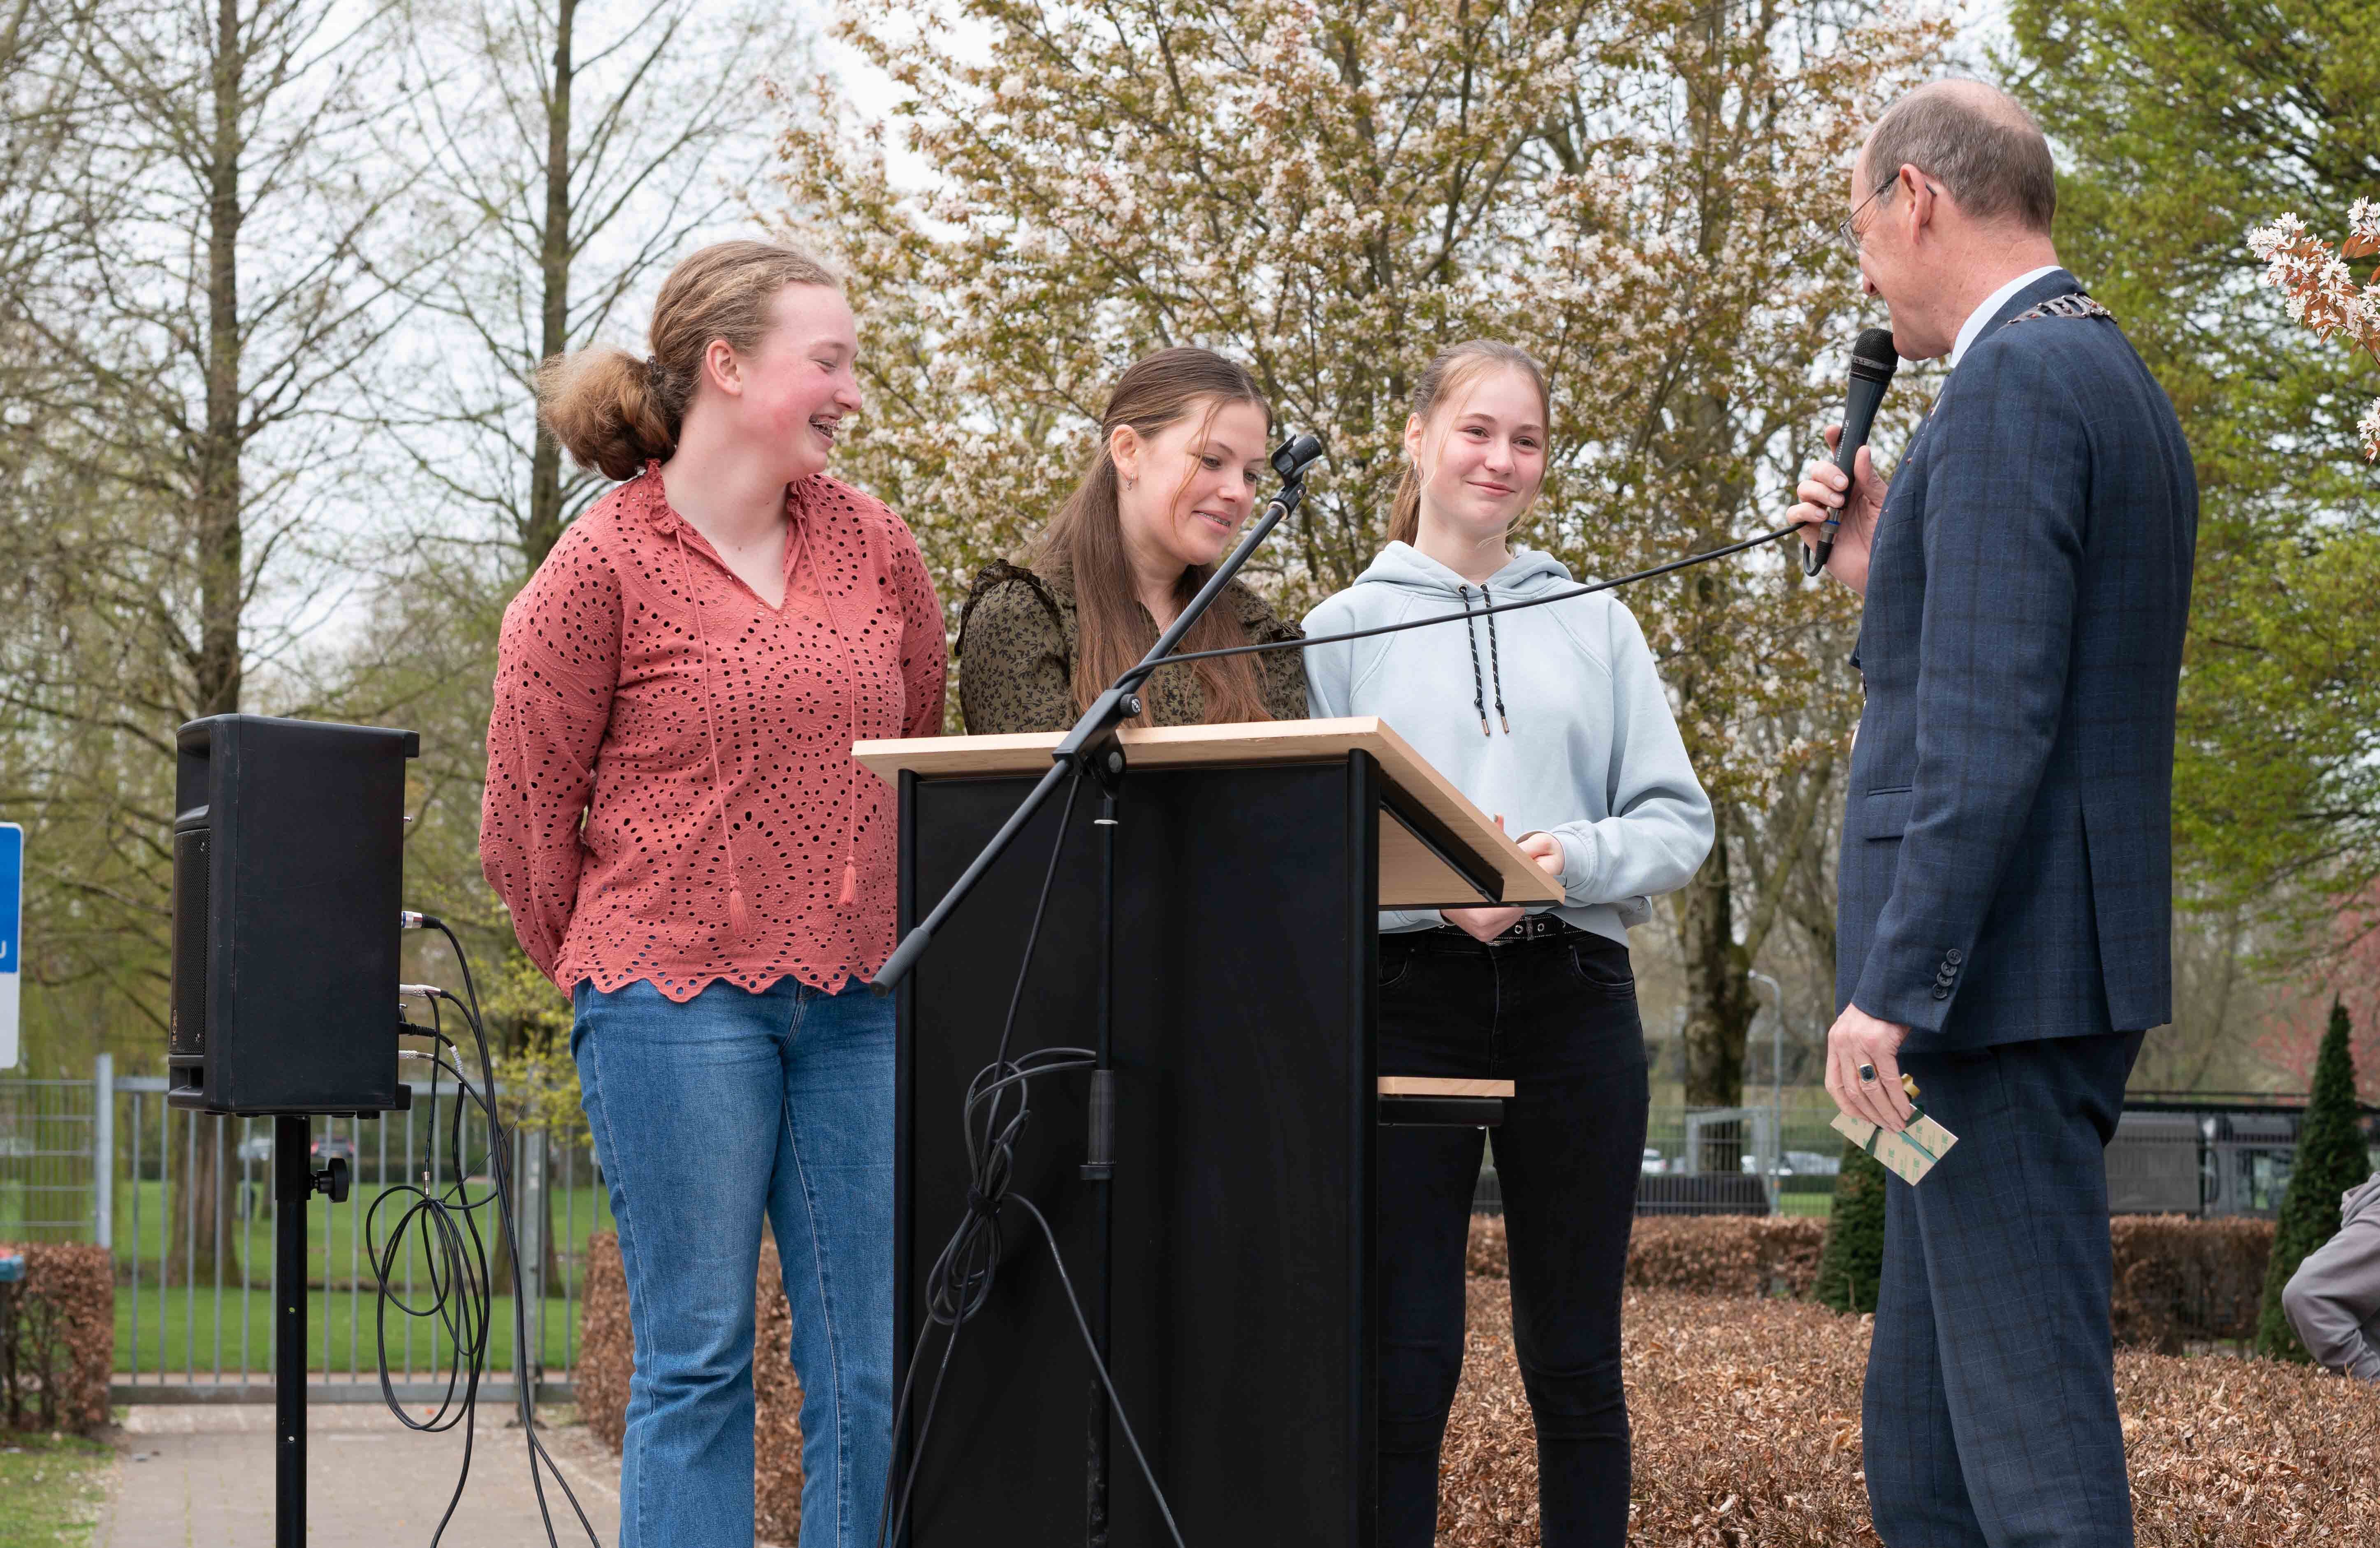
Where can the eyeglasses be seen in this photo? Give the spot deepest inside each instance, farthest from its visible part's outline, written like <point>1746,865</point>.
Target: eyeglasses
<point>1847,228</point>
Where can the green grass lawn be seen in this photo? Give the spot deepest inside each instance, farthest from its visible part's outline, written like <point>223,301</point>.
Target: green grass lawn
<point>343,1305</point>
<point>187,1342</point>
<point>50,1489</point>
<point>1821,1206</point>
<point>336,1251</point>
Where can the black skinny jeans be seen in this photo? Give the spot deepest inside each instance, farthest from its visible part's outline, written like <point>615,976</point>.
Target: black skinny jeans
<point>1556,1016</point>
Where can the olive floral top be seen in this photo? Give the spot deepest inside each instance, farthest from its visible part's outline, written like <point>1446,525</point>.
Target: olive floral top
<point>1016,648</point>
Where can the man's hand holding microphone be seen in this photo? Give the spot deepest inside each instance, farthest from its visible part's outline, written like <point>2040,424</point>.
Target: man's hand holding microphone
<point>1853,498</point>
<point>1847,491</point>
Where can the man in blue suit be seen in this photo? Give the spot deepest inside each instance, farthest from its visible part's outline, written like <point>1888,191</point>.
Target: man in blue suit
<point>2004,885</point>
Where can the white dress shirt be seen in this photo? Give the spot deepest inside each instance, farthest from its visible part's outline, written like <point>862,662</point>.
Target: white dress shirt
<point>1992,303</point>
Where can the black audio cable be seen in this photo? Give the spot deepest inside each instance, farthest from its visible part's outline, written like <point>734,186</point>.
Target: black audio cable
<point>461,1295</point>
<point>1548,599</point>
<point>998,1107</point>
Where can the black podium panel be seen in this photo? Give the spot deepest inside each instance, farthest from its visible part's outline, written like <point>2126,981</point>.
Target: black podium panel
<point>1242,1310</point>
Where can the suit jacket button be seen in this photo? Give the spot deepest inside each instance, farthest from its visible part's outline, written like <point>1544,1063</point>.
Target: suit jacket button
<point>1954,956</point>
<point>1941,991</point>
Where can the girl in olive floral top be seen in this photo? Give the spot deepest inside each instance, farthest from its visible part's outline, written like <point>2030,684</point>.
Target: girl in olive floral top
<point>1183,443</point>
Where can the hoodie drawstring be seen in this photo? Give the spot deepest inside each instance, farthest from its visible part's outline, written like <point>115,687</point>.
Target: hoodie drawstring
<point>1470,637</point>
<point>1495,661</point>
<point>739,912</point>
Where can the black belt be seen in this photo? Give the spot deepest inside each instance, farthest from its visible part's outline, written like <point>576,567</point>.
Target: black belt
<point>1531,926</point>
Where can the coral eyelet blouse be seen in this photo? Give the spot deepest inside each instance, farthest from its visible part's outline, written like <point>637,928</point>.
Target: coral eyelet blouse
<point>670,794</point>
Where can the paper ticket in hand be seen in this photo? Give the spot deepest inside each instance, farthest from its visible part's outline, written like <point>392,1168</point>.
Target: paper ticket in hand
<point>1908,1155</point>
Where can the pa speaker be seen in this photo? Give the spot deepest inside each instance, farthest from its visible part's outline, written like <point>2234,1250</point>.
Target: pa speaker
<point>288,872</point>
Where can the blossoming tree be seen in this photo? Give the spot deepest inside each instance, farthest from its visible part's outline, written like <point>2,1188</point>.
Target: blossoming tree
<point>1641,195</point>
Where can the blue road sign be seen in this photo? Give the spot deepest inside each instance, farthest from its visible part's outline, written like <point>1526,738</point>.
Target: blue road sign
<point>12,935</point>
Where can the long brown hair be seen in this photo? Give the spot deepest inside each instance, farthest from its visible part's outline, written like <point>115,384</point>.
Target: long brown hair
<point>1086,539</point>
<point>1451,372</point>
<point>611,411</point>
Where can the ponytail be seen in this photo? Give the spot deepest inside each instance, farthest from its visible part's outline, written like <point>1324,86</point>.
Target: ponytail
<point>615,413</point>
<point>602,408</point>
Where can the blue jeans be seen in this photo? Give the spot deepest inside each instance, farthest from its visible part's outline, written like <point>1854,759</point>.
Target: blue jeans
<point>705,1115</point>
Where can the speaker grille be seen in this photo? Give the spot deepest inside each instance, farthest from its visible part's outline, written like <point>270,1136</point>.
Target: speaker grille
<point>185,1030</point>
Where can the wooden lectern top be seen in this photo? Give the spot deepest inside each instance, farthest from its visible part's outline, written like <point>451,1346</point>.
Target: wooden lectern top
<point>1427,813</point>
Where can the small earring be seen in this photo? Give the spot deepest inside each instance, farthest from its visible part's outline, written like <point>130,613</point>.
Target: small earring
<point>1133,483</point>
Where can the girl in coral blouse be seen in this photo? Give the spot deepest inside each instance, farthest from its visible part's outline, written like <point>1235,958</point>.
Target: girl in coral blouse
<point>675,819</point>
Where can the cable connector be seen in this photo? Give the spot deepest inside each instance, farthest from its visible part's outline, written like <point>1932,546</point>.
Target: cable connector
<point>414,919</point>
<point>421,992</point>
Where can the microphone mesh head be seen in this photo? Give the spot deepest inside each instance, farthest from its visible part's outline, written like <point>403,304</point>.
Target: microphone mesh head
<point>1874,357</point>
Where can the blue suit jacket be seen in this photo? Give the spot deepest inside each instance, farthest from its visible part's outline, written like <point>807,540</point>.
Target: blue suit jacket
<point>2007,855</point>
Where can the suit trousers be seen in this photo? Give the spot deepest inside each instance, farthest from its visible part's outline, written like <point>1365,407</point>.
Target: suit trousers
<point>1990,1412</point>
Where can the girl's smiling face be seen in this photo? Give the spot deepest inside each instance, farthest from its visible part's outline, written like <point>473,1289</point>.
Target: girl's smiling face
<point>1183,492</point>
<point>796,388</point>
<point>1483,457</point>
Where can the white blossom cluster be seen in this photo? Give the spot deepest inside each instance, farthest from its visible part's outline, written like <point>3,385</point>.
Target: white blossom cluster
<point>2320,292</point>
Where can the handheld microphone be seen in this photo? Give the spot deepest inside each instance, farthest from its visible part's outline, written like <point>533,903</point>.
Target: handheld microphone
<point>1873,362</point>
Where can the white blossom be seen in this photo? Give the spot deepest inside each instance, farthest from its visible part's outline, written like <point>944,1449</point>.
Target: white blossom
<point>2285,232</point>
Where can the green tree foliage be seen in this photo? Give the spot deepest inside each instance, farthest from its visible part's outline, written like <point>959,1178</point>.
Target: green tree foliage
<point>2331,1158</point>
<point>1852,1264</point>
<point>2185,124</point>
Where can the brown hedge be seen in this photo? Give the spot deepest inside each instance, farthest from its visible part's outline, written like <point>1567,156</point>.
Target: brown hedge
<point>1705,1254</point>
<point>2177,1281</point>
<point>607,1356</point>
<point>2181,1281</point>
<point>1746,1435</point>
<point>63,1336</point>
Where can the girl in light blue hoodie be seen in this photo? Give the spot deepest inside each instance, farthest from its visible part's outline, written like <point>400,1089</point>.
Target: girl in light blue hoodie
<point>1553,719</point>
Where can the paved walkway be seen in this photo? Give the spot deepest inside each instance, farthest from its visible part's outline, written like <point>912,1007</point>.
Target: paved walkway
<point>201,1476</point>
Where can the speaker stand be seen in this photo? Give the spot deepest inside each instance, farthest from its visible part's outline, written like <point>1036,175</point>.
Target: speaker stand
<point>295,1182</point>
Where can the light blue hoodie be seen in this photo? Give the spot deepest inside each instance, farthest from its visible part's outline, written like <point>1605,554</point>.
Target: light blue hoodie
<point>1552,716</point>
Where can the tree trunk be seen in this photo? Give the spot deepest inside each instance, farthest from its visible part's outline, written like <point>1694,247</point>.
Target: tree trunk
<point>553,263</point>
<point>1719,1002</point>
<point>204,1188</point>
<point>202,1224</point>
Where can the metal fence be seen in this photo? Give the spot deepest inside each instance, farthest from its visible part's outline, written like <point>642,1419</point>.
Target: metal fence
<point>50,1134</point>
<point>2169,1156</point>
<point>188,1215</point>
<point>1764,1160</point>
<point>2190,1156</point>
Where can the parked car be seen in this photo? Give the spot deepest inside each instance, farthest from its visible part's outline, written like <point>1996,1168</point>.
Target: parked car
<point>1655,1164</point>
<point>1800,1162</point>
